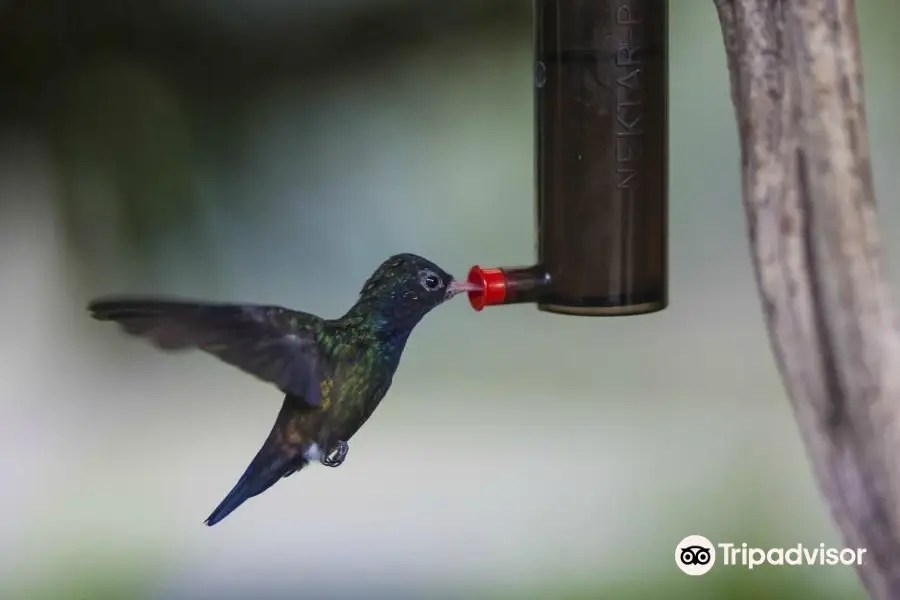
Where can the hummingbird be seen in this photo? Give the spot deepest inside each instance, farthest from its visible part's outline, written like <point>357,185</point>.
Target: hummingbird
<point>333,372</point>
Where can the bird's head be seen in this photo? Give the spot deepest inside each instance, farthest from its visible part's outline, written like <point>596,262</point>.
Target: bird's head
<point>404,288</point>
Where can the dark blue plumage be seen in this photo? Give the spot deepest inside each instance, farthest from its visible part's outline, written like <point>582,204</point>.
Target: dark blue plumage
<point>267,467</point>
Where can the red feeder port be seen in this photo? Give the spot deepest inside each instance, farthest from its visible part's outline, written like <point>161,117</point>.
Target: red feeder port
<point>493,287</point>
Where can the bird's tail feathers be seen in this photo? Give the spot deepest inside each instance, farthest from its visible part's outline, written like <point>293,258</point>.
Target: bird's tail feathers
<point>264,471</point>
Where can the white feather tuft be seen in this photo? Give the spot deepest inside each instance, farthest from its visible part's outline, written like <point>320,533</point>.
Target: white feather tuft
<point>312,453</point>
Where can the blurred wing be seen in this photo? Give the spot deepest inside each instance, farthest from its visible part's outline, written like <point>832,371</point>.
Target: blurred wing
<point>272,343</point>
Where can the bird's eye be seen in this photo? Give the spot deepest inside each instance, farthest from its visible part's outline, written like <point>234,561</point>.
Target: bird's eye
<point>430,281</point>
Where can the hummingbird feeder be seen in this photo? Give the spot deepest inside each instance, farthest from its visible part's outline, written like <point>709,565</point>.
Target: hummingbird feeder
<point>601,143</point>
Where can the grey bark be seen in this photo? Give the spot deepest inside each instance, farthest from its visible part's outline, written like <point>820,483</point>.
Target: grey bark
<point>797,88</point>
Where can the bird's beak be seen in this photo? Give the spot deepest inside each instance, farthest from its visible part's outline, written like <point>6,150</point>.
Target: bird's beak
<point>458,287</point>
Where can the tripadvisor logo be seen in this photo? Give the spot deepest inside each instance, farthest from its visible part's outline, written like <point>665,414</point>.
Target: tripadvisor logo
<point>696,555</point>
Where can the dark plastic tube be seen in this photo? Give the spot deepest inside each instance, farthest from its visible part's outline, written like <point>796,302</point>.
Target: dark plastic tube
<point>601,154</point>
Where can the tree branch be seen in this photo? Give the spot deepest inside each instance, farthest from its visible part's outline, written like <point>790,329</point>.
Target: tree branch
<point>797,88</point>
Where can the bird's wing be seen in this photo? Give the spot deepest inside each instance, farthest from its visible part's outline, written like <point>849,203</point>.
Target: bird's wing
<point>279,456</point>
<point>272,343</point>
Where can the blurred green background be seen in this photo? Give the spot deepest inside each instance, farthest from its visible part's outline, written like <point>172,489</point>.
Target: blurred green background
<point>276,151</point>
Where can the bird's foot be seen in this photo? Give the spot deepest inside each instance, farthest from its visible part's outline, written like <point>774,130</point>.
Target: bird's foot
<point>336,455</point>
